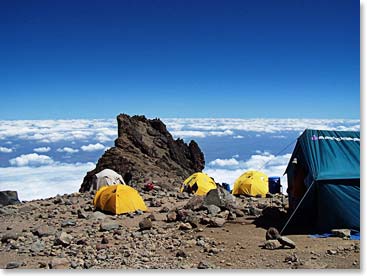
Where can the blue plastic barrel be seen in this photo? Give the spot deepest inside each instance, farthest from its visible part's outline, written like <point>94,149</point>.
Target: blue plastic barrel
<point>274,185</point>
<point>226,186</point>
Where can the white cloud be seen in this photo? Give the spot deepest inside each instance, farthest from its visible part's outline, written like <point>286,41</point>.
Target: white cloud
<point>224,162</point>
<point>238,137</point>
<point>5,150</point>
<point>42,149</point>
<point>223,172</point>
<point>32,159</point>
<point>67,150</point>
<point>46,181</point>
<point>93,147</point>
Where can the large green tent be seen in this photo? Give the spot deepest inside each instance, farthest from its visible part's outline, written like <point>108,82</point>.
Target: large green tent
<point>324,182</point>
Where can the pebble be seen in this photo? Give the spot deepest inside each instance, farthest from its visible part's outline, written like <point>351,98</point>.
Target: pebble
<point>12,265</point>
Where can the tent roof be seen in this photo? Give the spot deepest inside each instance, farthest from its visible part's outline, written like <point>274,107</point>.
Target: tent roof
<point>330,154</point>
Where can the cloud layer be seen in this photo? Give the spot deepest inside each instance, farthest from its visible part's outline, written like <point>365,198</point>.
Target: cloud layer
<point>228,170</point>
<point>104,130</point>
<point>43,182</point>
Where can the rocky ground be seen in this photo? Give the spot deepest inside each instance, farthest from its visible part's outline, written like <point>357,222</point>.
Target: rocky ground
<point>180,231</point>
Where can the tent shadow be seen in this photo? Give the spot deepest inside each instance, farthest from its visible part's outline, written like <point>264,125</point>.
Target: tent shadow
<point>271,217</point>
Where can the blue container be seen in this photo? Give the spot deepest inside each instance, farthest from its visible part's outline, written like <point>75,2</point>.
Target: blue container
<point>226,186</point>
<point>274,185</point>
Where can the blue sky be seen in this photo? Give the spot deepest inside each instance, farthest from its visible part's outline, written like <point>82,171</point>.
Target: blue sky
<point>246,59</point>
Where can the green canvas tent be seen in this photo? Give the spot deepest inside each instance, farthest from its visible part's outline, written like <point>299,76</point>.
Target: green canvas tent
<point>324,182</point>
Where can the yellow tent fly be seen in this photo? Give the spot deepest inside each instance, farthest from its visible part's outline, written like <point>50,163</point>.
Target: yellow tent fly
<point>198,183</point>
<point>251,183</point>
<point>118,199</point>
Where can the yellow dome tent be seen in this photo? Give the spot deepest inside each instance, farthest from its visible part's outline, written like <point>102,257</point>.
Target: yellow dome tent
<point>118,199</point>
<point>198,183</point>
<point>251,183</point>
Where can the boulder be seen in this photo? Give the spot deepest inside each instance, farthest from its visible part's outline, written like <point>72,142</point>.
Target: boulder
<point>108,226</point>
<point>194,203</point>
<point>145,224</point>
<point>37,246</point>
<point>44,230</point>
<point>8,198</point>
<point>342,233</point>
<point>171,216</point>
<point>59,263</point>
<point>145,148</point>
<point>271,244</point>
<point>97,216</point>
<point>63,239</point>
<point>216,222</point>
<point>184,226</point>
<point>272,234</point>
<point>220,198</point>
<point>9,236</point>
<point>213,209</point>
<point>286,242</point>
<point>12,265</point>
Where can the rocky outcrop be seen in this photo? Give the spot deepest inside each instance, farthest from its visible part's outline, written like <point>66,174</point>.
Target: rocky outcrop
<point>8,198</point>
<point>146,151</point>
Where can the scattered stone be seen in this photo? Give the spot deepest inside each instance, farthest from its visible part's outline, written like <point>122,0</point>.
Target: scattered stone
<point>223,214</point>
<point>164,210</point>
<point>185,226</point>
<point>152,217</point>
<point>195,203</point>
<point>9,236</point>
<point>97,216</point>
<point>272,234</point>
<point>37,246</point>
<point>231,216</point>
<point>67,223</point>
<point>291,258</point>
<point>217,222</point>
<point>139,212</point>
<point>331,252</point>
<point>13,265</point>
<point>193,220</point>
<point>203,265</point>
<point>104,240</point>
<point>108,226</point>
<point>44,231</point>
<point>181,253</point>
<point>145,224</point>
<point>213,209</point>
<point>101,246</point>
<point>286,242</point>
<point>253,211</point>
<point>59,263</point>
<point>238,212</point>
<point>342,233</point>
<point>271,244</point>
<point>64,239</point>
<point>155,203</point>
<point>58,200</point>
<point>214,250</point>
<point>81,214</point>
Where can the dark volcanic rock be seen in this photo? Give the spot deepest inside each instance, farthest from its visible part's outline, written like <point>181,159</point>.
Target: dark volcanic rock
<point>8,198</point>
<point>144,148</point>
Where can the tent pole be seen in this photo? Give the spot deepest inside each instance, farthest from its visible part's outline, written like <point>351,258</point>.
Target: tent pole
<point>295,210</point>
